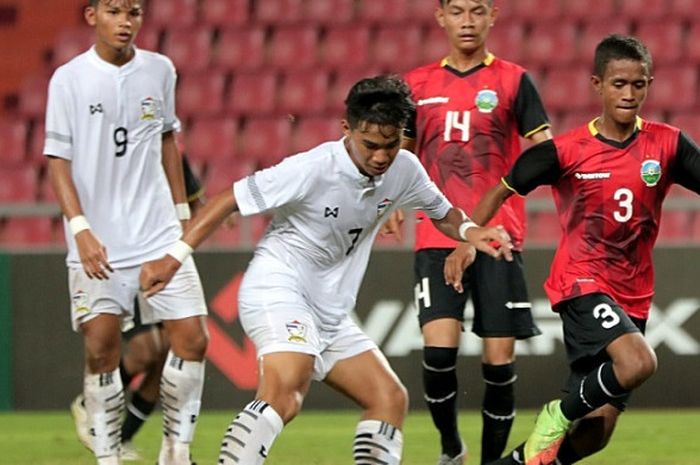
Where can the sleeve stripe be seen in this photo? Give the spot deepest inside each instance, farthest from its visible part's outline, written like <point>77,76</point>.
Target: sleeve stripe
<point>59,137</point>
<point>505,183</point>
<point>539,128</point>
<point>255,193</point>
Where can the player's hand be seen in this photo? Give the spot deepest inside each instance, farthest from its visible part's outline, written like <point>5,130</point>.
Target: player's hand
<point>93,255</point>
<point>483,238</point>
<point>156,274</point>
<point>392,226</point>
<point>456,263</point>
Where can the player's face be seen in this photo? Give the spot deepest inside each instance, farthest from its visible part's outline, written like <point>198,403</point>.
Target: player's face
<point>372,147</point>
<point>623,87</point>
<point>116,22</point>
<point>467,23</point>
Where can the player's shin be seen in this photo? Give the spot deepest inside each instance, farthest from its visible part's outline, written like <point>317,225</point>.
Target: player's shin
<point>250,435</point>
<point>104,402</point>
<point>498,409</point>
<point>377,442</point>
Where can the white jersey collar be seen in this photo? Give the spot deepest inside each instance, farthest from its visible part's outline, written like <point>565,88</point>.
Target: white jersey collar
<point>126,68</point>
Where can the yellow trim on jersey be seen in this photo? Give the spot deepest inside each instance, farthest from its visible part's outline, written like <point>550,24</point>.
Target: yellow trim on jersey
<point>594,131</point>
<point>505,183</point>
<point>490,57</point>
<point>539,128</point>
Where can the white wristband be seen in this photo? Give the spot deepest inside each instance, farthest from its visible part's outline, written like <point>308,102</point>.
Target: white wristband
<point>77,224</point>
<point>183,211</point>
<point>463,229</point>
<point>180,251</point>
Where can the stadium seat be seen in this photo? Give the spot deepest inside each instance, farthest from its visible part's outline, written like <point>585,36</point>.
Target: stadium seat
<point>505,40</point>
<point>536,10</point>
<point>571,120</point>
<point>596,30</point>
<point>293,47</point>
<point>691,50</point>
<point>378,11</point>
<point>675,87</point>
<point>278,11</point>
<point>341,86</point>
<point>346,46</point>
<point>20,231</point>
<point>252,93</point>
<point>148,38</point>
<point>266,140</point>
<point>676,227</point>
<point>568,89</point>
<point>46,192</point>
<point>18,184</point>
<point>551,43</point>
<point>329,12</point>
<point>663,39</point>
<point>240,49</point>
<point>200,94</point>
<point>211,139</point>
<point>434,46</point>
<point>32,96</point>
<point>687,9</point>
<point>172,14</point>
<point>421,11</point>
<point>314,130</point>
<point>225,12</point>
<point>303,92</point>
<point>688,122</point>
<point>221,174</point>
<point>35,152</point>
<point>578,10</point>
<point>70,43</point>
<point>13,142</point>
<point>643,9</point>
<point>188,48</point>
<point>396,41</point>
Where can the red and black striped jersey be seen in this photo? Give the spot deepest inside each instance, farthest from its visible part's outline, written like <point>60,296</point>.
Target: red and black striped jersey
<point>467,127</point>
<point>608,197</point>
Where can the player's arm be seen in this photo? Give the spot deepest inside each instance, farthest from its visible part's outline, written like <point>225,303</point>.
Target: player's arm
<point>531,117</point>
<point>172,165</point>
<point>93,254</point>
<point>458,226</point>
<point>686,171</point>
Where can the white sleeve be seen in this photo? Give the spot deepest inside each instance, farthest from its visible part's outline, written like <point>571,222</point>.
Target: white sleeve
<point>170,120</point>
<point>60,115</point>
<point>271,188</point>
<point>423,194</point>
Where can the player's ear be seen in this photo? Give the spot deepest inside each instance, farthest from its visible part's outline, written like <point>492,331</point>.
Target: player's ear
<point>597,84</point>
<point>89,14</point>
<point>440,16</point>
<point>346,127</point>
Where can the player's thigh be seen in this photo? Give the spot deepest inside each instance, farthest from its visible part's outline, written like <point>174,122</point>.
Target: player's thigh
<point>182,298</point>
<point>440,307</point>
<point>502,306</point>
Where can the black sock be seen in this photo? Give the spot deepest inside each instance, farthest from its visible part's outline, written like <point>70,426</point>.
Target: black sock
<point>514,457</point>
<point>567,455</point>
<point>137,411</point>
<point>498,409</point>
<point>125,376</point>
<point>598,388</point>
<point>440,388</point>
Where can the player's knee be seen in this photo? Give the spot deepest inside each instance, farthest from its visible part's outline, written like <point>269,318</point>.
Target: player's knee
<point>102,358</point>
<point>286,403</point>
<point>192,347</point>
<point>439,358</point>
<point>637,368</point>
<point>392,398</point>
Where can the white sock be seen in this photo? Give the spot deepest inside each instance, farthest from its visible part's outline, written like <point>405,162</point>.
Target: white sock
<point>250,435</point>
<point>104,403</point>
<point>112,460</point>
<point>377,442</point>
<point>181,399</point>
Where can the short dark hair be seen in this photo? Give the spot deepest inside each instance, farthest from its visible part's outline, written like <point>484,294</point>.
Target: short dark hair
<point>383,100</point>
<point>620,47</point>
<point>445,2</point>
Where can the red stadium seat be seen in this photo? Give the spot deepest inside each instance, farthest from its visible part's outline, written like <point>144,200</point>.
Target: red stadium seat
<point>663,39</point>
<point>70,43</point>
<point>240,49</point>
<point>422,11</point>
<point>568,89</point>
<point>200,94</point>
<point>13,142</point>
<point>36,143</point>
<point>435,45</point>
<point>172,14</point>
<point>397,44</point>
<point>18,184</point>
<point>253,93</point>
<point>691,49</point>
<point>225,12</point>
<point>148,39</point>
<point>20,232</point>
<point>685,9</point>
<point>505,40</point>
<point>32,97</point>
<point>341,86</point>
<point>293,47</point>
<point>536,10</point>
<point>212,139</point>
<point>595,31</point>
<point>46,192</point>
<point>303,92</point>
<point>314,130</point>
<point>551,43</point>
<point>571,120</point>
<point>688,122</point>
<point>329,11</point>
<point>278,11</point>
<point>379,11</point>
<point>675,227</point>
<point>675,87</point>
<point>266,140</point>
<point>221,174</point>
<point>576,9</point>
<point>644,9</point>
<point>346,46</point>
<point>188,48</point>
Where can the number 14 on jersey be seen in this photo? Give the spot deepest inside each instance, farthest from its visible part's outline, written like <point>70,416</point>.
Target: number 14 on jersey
<point>457,126</point>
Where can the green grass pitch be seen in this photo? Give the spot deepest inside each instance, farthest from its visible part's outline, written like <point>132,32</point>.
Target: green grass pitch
<point>644,437</point>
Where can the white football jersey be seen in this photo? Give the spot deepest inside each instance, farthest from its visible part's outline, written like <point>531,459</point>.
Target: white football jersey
<point>326,216</point>
<point>108,121</point>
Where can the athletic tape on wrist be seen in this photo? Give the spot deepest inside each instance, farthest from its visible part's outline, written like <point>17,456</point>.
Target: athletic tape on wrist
<point>180,251</point>
<point>77,224</point>
<point>463,229</point>
<point>183,211</point>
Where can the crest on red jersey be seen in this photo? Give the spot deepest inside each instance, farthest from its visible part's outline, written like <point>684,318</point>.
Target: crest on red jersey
<point>651,172</point>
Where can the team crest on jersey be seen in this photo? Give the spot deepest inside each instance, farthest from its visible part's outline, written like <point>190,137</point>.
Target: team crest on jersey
<point>149,108</point>
<point>486,100</point>
<point>297,332</point>
<point>651,172</point>
<point>80,302</point>
<point>382,206</point>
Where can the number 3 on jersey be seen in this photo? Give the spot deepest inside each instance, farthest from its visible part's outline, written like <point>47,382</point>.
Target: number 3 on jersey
<point>121,138</point>
<point>457,126</point>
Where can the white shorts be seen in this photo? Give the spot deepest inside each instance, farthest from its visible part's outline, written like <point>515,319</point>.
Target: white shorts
<point>183,297</point>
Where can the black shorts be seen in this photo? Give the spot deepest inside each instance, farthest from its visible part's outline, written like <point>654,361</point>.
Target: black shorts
<point>497,289</point>
<point>138,327</point>
<point>591,323</point>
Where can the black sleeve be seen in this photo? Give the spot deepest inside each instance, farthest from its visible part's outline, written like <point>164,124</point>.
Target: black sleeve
<point>193,187</point>
<point>537,166</point>
<point>410,129</point>
<point>529,110</point>
<point>686,171</point>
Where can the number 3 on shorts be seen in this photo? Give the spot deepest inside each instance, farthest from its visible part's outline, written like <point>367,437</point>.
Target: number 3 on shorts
<point>606,315</point>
